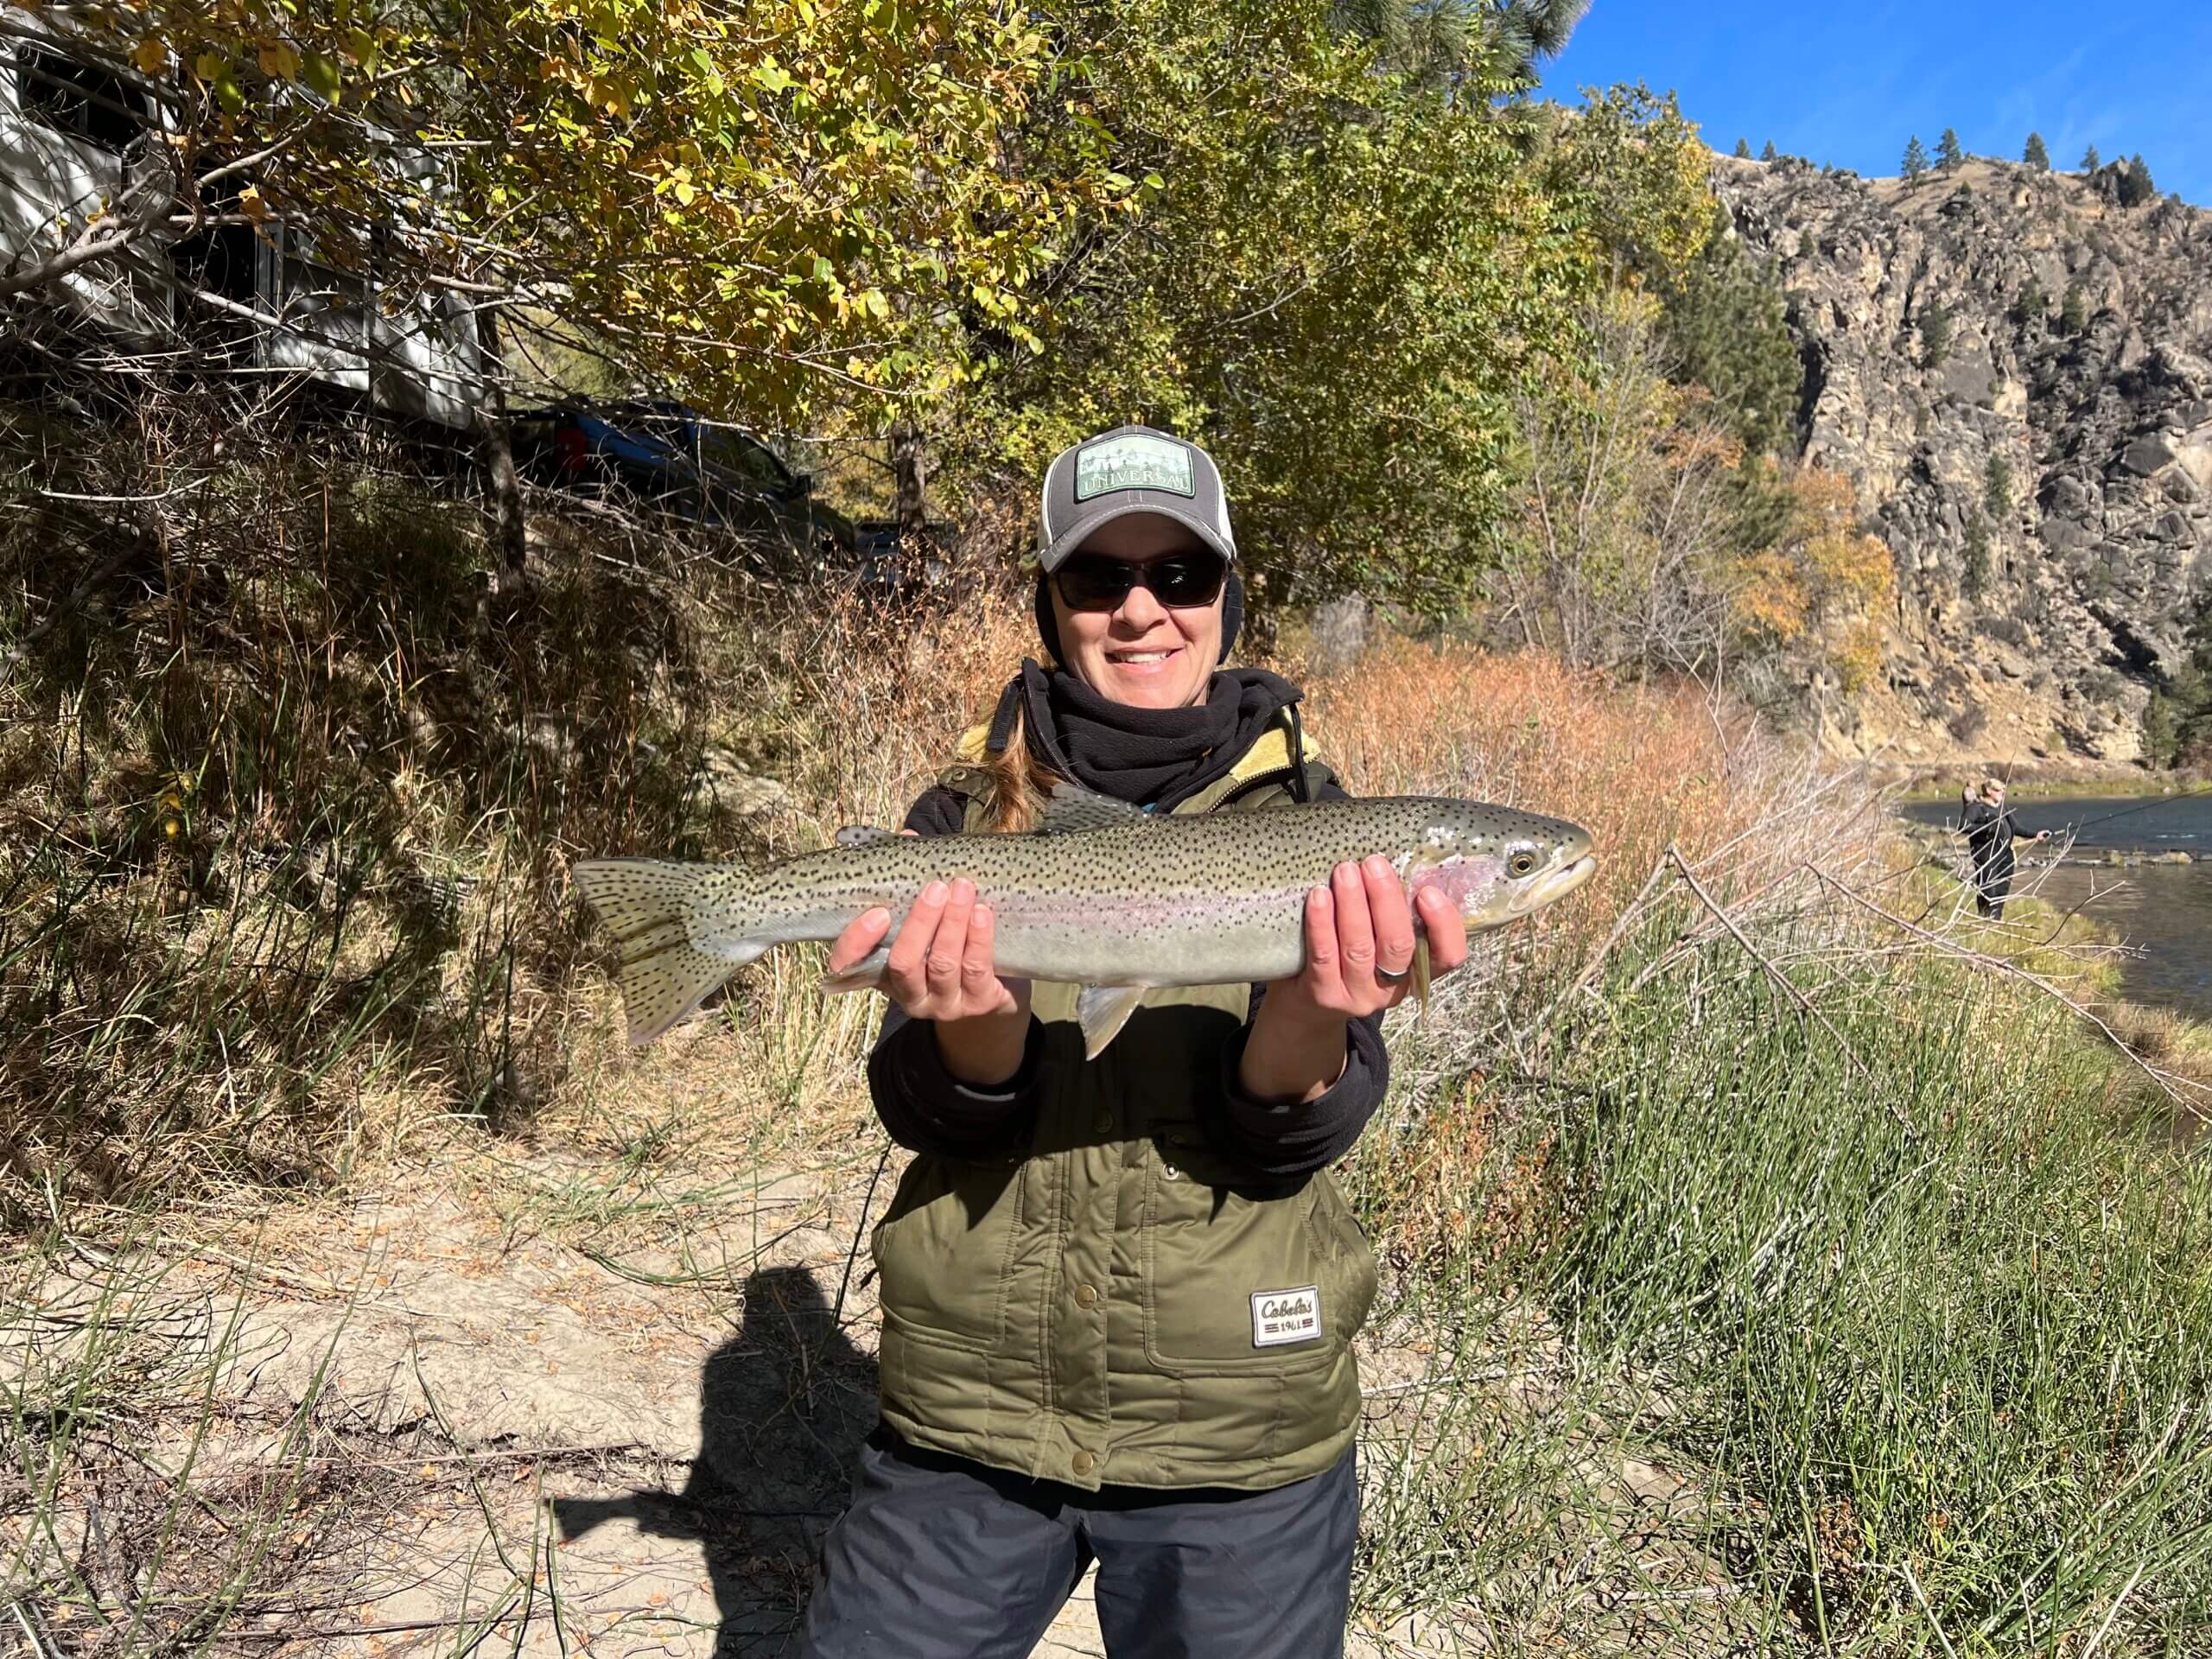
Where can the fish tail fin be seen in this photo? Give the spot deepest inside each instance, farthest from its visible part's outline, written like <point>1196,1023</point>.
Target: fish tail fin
<point>672,958</point>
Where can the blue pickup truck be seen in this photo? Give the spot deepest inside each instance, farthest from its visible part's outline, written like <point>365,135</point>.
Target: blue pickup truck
<point>668,457</point>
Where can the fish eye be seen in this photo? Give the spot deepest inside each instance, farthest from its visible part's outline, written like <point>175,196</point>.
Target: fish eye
<point>1522,863</point>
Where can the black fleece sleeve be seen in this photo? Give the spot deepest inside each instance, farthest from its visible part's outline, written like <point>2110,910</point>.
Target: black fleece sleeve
<point>1281,1141</point>
<point>924,1107</point>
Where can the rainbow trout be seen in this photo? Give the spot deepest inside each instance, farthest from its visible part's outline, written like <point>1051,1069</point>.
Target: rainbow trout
<point>1103,895</point>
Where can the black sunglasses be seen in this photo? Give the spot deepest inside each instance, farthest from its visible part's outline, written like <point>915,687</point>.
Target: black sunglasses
<point>1091,581</point>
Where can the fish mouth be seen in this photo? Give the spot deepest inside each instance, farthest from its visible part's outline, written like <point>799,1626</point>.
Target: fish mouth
<point>1550,888</point>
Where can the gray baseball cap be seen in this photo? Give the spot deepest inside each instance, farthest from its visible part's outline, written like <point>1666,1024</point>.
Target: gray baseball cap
<point>1129,470</point>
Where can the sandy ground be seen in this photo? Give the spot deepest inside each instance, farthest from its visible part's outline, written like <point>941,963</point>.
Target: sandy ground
<point>565,1415</point>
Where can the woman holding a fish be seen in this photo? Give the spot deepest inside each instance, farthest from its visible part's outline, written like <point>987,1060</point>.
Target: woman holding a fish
<point>1140,945</point>
<point>1119,1292</point>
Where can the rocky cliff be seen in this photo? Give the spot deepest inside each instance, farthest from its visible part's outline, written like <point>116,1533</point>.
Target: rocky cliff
<point>1996,313</point>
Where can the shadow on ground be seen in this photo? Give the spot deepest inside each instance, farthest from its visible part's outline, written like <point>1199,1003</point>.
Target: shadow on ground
<point>783,1407</point>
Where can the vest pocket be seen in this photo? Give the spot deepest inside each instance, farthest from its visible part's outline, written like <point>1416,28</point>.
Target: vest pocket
<point>943,1250</point>
<point>1229,1268</point>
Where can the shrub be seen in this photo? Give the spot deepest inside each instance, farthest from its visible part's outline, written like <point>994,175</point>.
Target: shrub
<point>1935,335</point>
<point>1997,487</point>
<point>2074,310</point>
<point>1976,575</point>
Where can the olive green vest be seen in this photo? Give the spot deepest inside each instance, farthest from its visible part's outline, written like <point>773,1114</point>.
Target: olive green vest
<point>1113,1303</point>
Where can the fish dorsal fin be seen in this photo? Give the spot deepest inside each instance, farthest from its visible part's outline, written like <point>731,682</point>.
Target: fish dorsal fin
<point>1102,1011</point>
<point>860,834</point>
<point>1075,811</point>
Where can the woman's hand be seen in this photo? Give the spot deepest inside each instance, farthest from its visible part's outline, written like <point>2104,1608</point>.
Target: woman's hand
<point>942,968</point>
<point>1358,930</point>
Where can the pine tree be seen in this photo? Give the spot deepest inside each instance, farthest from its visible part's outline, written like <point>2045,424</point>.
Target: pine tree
<point>1935,335</point>
<point>1947,151</point>
<point>2034,154</point>
<point>1743,149</point>
<point>2135,186</point>
<point>2031,302</point>
<point>1729,329</point>
<point>1916,158</point>
<point>1997,489</point>
<point>1440,44</point>
<point>1976,576</point>
<point>2073,314</point>
<point>1767,154</point>
<point>2090,159</point>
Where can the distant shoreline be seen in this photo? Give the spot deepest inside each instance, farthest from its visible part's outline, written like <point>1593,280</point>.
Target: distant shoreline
<point>2041,782</point>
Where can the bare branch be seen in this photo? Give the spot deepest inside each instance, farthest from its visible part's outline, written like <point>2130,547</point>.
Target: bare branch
<point>94,243</point>
<point>1805,1003</point>
<point>2169,1083</point>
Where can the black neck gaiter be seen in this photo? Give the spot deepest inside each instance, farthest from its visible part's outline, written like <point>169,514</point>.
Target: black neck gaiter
<point>1149,756</point>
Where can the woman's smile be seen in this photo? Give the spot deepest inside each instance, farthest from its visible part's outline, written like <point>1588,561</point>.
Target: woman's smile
<point>1146,659</point>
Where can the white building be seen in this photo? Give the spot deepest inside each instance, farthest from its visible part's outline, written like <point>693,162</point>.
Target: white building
<point>241,299</point>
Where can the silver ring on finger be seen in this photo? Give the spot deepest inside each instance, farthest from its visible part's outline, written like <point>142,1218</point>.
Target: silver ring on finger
<point>1389,978</point>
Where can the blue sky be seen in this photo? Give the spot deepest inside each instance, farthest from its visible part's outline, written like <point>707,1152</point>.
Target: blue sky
<point>1847,84</point>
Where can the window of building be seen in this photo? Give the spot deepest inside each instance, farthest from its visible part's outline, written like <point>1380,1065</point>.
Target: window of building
<point>77,100</point>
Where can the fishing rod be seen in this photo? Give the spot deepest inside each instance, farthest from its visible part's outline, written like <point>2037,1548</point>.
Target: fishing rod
<point>2074,827</point>
<point>2142,806</point>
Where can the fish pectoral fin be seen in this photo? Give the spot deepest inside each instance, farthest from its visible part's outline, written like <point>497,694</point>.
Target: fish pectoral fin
<point>861,834</point>
<point>1102,1011</point>
<point>866,975</point>
<point>1420,971</point>
<point>1075,811</point>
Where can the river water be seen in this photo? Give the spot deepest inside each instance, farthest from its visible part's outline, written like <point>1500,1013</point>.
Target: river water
<point>2164,910</point>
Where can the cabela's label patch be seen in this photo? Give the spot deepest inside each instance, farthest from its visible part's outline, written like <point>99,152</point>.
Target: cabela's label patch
<point>1286,1316</point>
<point>1137,461</point>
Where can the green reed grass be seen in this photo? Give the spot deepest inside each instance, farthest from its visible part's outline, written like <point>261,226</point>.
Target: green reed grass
<point>1928,1332</point>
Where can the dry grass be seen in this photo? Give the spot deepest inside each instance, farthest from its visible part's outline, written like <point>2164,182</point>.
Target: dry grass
<point>286,804</point>
<point>1453,1165</point>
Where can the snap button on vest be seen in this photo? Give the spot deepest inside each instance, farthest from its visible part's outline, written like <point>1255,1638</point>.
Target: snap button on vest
<point>1083,1463</point>
<point>1085,1295</point>
<point>1102,1123</point>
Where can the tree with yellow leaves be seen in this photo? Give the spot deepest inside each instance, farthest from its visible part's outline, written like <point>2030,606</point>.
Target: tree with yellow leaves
<point>1816,594</point>
<point>750,205</point>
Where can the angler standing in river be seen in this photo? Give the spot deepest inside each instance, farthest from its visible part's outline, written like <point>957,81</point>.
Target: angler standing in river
<point>1119,1294</point>
<point>1990,831</point>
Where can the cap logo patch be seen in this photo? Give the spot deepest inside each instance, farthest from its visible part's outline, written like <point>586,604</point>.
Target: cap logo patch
<point>1136,461</point>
